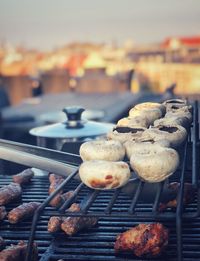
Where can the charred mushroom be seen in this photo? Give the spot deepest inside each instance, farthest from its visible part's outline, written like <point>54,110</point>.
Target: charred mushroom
<point>99,174</point>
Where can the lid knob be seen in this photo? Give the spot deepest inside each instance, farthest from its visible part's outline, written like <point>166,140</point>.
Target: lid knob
<point>74,116</point>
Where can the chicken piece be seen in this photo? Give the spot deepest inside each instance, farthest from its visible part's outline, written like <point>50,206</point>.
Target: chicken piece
<point>18,252</point>
<point>188,196</point>
<point>9,193</point>
<point>22,212</point>
<point>143,240</point>
<point>72,225</point>
<point>2,244</point>
<point>54,224</point>
<point>60,199</point>
<point>3,213</point>
<point>23,177</point>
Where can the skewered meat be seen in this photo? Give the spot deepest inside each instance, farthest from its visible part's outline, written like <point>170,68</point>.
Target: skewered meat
<point>2,213</point>
<point>9,193</point>
<point>60,198</point>
<point>18,252</point>
<point>22,212</point>
<point>72,225</point>
<point>144,239</point>
<point>23,177</point>
<point>2,244</point>
<point>54,224</point>
<point>188,195</point>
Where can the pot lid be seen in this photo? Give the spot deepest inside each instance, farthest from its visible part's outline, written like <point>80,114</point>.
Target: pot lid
<point>73,127</point>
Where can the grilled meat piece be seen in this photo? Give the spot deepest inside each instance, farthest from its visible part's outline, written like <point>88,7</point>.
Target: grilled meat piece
<point>2,244</point>
<point>188,196</point>
<point>55,181</point>
<point>22,212</point>
<point>23,177</point>
<point>143,240</point>
<point>72,225</point>
<point>18,252</point>
<point>53,178</point>
<point>9,193</point>
<point>60,199</point>
<point>3,213</point>
<point>54,224</point>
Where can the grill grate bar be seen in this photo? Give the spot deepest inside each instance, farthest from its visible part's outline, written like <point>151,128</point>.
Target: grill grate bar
<point>71,199</point>
<point>88,202</point>
<point>157,198</point>
<point>135,198</point>
<point>112,201</point>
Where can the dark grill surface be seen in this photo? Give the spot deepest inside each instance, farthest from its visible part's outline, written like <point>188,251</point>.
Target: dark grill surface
<point>95,243</point>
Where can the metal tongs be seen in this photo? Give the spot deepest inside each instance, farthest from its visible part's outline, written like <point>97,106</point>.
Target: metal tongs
<point>61,163</point>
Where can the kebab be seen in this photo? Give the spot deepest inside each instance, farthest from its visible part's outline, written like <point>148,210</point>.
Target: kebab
<point>9,193</point>
<point>23,177</point>
<point>71,225</point>
<point>18,252</point>
<point>22,212</point>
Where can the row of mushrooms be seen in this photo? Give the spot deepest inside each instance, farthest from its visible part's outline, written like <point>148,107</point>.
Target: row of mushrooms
<point>148,138</point>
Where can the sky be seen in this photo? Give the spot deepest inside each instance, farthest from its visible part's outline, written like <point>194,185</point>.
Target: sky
<point>45,24</point>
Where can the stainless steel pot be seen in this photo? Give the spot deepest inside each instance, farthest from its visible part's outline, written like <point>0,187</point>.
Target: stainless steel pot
<point>70,134</point>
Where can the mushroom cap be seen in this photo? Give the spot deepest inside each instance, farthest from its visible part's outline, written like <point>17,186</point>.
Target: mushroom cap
<point>144,146</point>
<point>151,105</point>
<point>172,120</point>
<point>111,150</point>
<point>155,165</point>
<point>151,114</point>
<point>176,135</point>
<point>99,174</point>
<point>134,122</point>
<point>123,134</point>
<point>181,112</point>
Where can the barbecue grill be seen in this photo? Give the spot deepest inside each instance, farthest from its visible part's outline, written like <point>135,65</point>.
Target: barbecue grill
<point>117,211</point>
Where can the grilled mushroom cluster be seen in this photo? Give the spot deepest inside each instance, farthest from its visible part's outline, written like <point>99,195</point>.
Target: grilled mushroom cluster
<point>149,137</point>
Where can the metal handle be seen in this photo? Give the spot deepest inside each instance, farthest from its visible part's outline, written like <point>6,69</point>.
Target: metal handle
<point>74,116</point>
<point>35,161</point>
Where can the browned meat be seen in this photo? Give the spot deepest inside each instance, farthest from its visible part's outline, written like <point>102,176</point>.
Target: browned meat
<point>17,253</point>
<point>9,193</point>
<point>72,225</point>
<point>54,224</point>
<point>23,177</point>
<point>53,178</point>
<point>143,240</point>
<point>55,181</point>
<point>2,244</point>
<point>60,199</point>
<point>3,213</point>
<point>22,212</point>
<point>189,193</point>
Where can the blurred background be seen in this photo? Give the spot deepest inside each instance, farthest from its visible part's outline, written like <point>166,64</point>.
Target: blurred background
<point>99,46</point>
